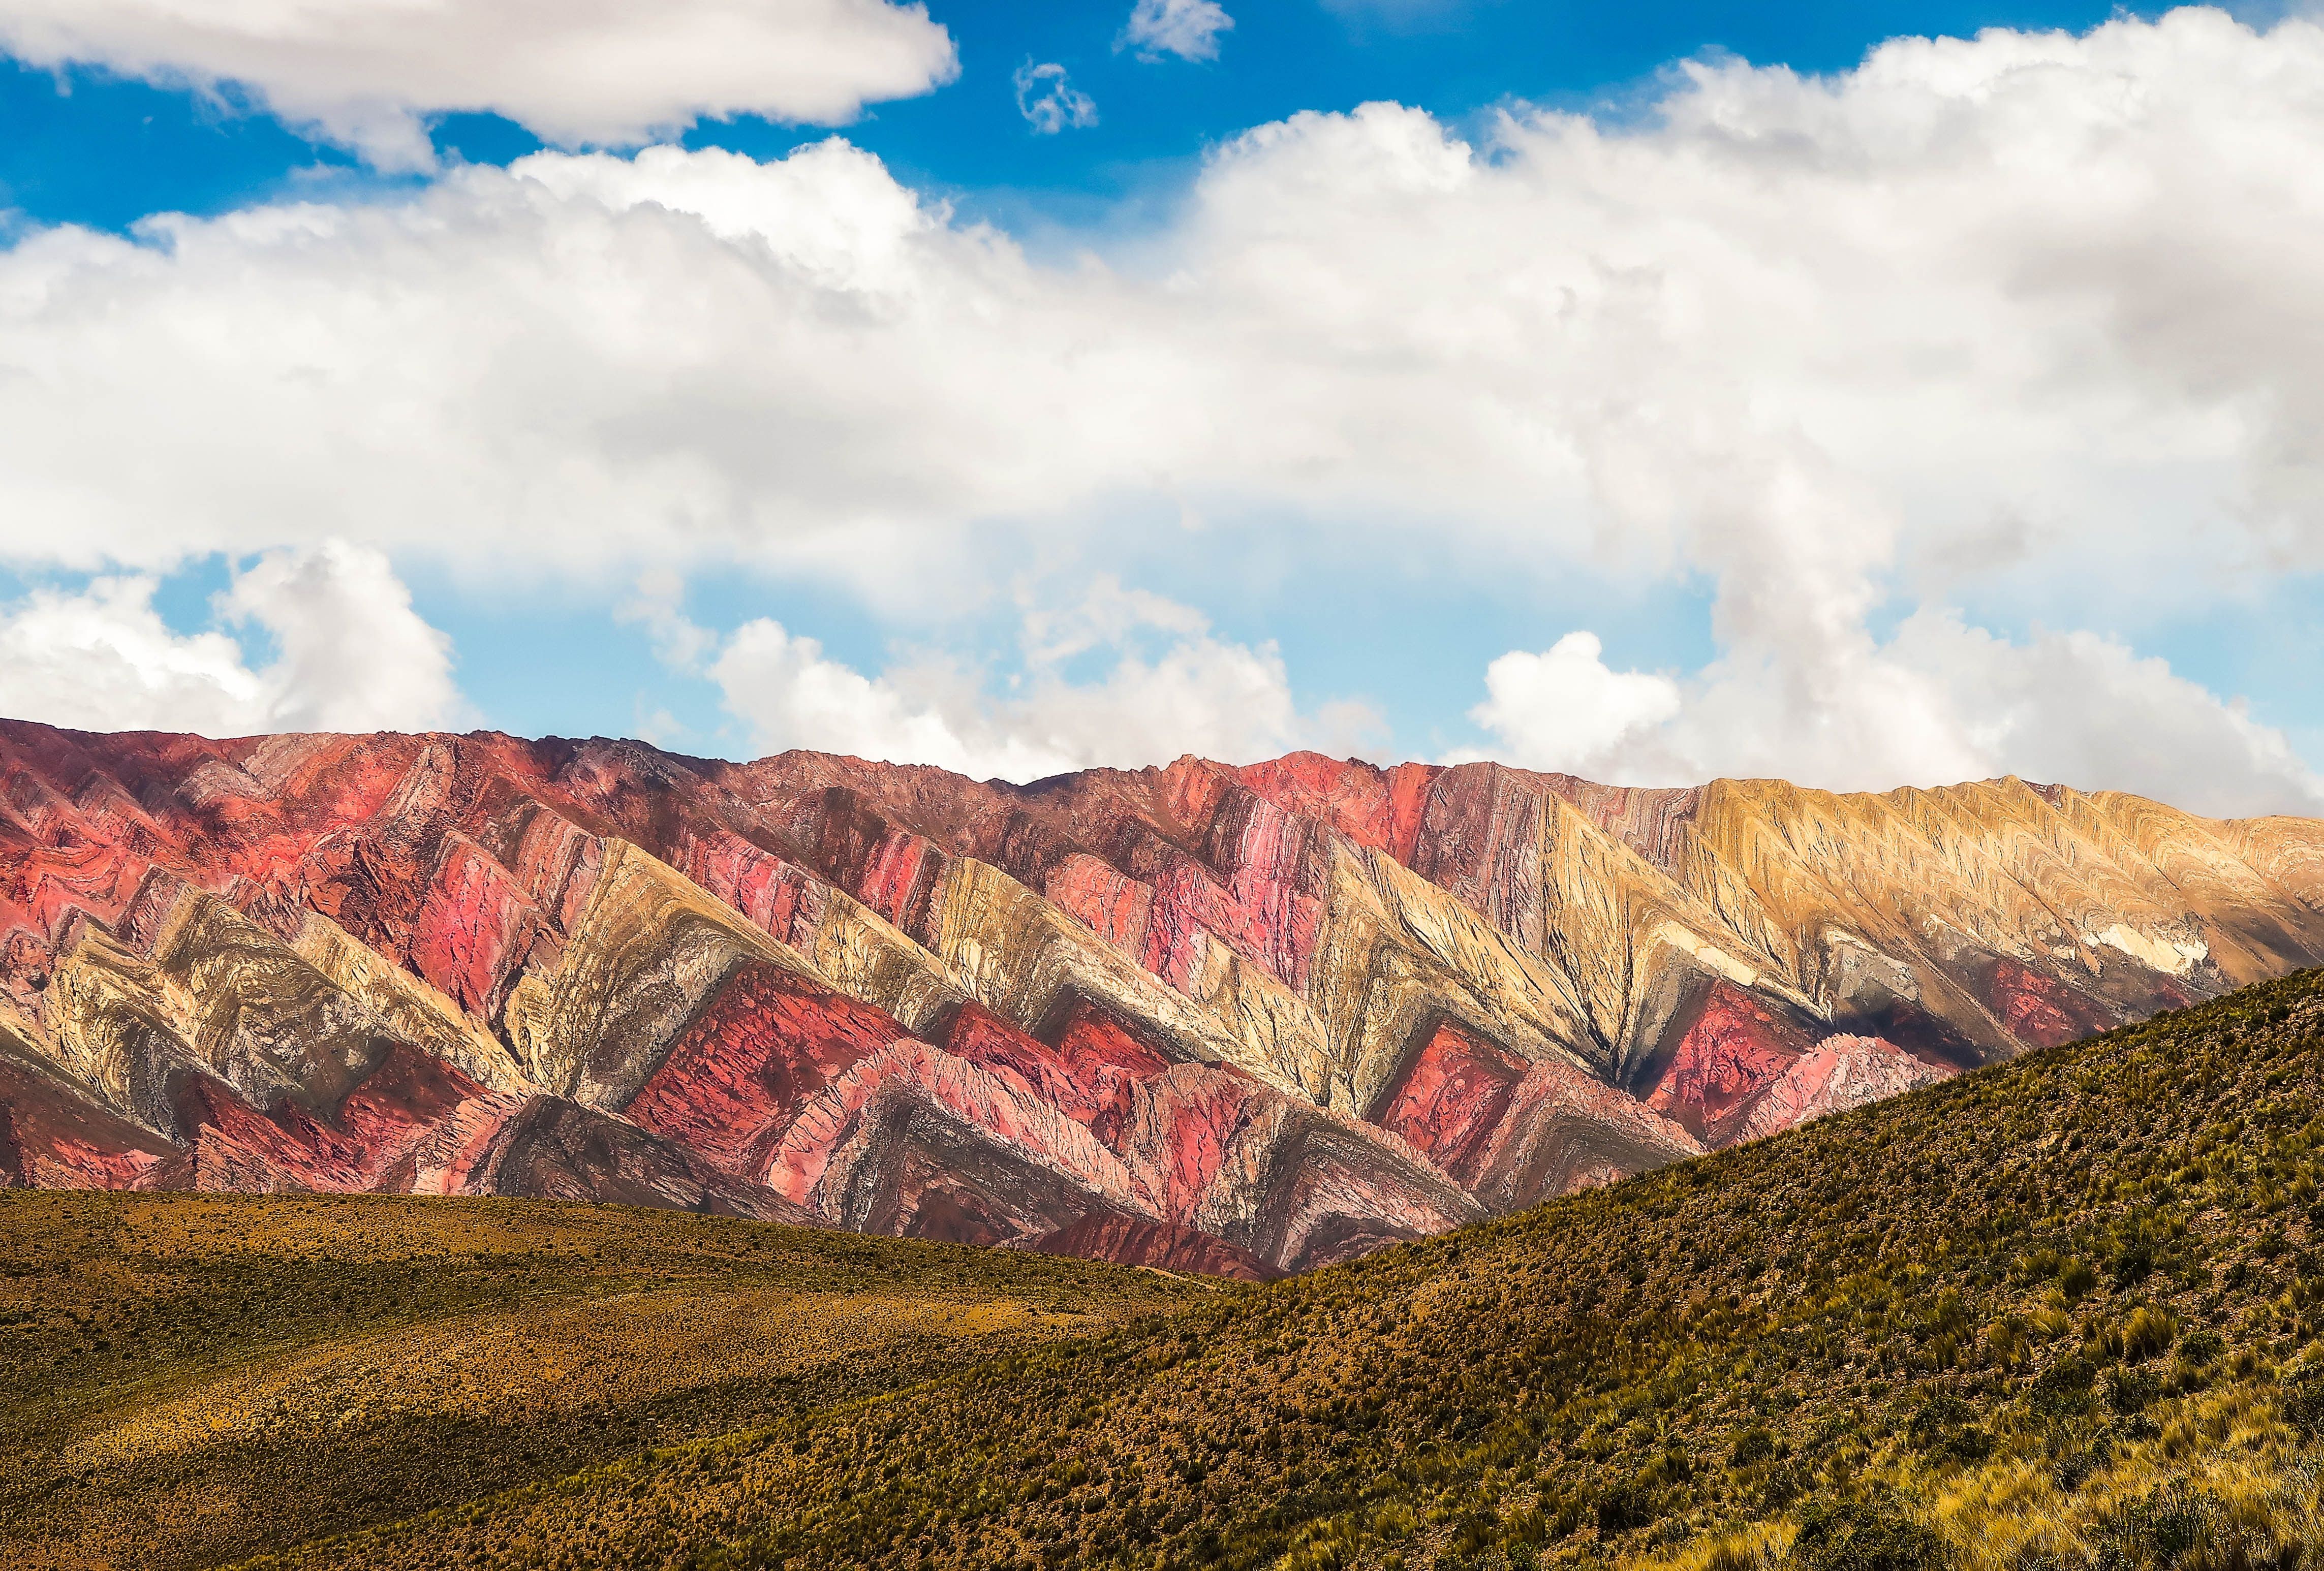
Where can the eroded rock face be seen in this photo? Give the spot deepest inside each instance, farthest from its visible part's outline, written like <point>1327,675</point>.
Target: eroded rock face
<point>1240,1020</point>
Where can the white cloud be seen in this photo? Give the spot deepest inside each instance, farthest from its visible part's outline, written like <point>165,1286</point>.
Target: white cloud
<point>2026,323</point>
<point>2087,711</point>
<point>1831,324</point>
<point>104,660</point>
<point>790,696</point>
<point>1940,702</point>
<point>1169,686</point>
<point>1188,29</point>
<point>366,73</point>
<point>351,653</point>
<point>1049,101</point>
<point>1565,709</point>
<point>657,605</point>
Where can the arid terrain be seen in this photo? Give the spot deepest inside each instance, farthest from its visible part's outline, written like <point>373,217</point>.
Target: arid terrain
<point>186,1379</point>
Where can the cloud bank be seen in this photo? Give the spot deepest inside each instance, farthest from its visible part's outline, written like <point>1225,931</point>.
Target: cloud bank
<point>368,73</point>
<point>351,654</point>
<point>1168,686</point>
<point>1938,702</point>
<point>2026,320</point>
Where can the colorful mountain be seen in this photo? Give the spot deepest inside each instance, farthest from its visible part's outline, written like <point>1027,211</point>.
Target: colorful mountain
<point>1240,1020</point>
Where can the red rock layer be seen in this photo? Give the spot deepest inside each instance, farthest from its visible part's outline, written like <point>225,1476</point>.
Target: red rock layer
<point>1135,1241</point>
<point>54,1136</point>
<point>1731,1050</point>
<point>1453,1096</point>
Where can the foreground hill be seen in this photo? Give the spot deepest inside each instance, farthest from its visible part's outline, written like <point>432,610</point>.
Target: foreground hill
<point>1242,1021</point>
<point>188,1380</point>
<point>2062,1312</point>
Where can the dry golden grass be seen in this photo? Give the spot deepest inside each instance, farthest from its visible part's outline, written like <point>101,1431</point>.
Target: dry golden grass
<point>1760,1547</point>
<point>506,1364</point>
<point>2229,1450</point>
<point>188,1379</point>
<point>2226,1484</point>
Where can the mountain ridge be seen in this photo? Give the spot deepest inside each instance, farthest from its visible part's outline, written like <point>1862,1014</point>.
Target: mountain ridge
<point>1270,1015</point>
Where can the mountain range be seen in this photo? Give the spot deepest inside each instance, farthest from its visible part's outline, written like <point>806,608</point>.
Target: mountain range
<point>1241,1021</point>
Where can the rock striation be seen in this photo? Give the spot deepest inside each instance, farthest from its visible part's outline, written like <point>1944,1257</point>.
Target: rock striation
<point>1245,1021</point>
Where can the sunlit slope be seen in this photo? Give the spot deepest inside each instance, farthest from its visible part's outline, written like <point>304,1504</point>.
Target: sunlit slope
<point>2002,914</point>
<point>2066,1305</point>
<point>186,1379</point>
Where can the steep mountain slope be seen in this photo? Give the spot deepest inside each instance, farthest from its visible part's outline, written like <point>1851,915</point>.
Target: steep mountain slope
<point>187,1380</point>
<point>1263,1018</point>
<point>2065,1311</point>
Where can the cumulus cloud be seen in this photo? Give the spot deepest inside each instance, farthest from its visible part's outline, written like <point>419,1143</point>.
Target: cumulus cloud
<point>2024,321</point>
<point>1564,709</point>
<point>366,73</point>
<point>1188,29</point>
<point>1940,702</point>
<point>1792,323</point>
<point>351,653</point>
<point>2087,711</point>
<point>1168,686</point>
<point>104,659</point>
<point>1050,103</point>
<point>791,695</point>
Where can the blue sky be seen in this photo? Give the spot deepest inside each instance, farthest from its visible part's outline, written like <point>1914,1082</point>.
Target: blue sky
<point>87,147</point>
<point>1996,603</point>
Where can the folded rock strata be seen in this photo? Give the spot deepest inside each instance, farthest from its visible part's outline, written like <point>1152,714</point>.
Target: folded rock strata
<point>1238,1020</point>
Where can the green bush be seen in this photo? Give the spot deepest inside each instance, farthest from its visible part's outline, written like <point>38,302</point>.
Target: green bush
<point>1626,1506</point>
<point>1874,1533</point>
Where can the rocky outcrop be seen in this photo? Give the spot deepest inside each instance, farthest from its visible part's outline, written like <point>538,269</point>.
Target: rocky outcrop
<point>1238,1020</point>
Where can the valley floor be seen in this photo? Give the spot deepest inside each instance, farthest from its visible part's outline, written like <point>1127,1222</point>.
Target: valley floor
<point>188,1380</point>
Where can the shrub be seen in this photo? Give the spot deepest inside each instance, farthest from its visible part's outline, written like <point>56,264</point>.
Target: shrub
<point>1874,1533</point>
<point>1627,1505</point>
<point>1940,1414</point>
<point>1783,1486</point>
<point>2199,1348</point>
<point>2131,1391</point>
<point>2064,1388</point>
<point>2076,1468</point>
<point>2165,1528</point>
<point>1967,1444</point>
<point>2303,1402</point>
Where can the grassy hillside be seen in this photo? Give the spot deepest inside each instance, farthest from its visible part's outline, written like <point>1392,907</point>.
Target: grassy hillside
<point>2061,1313</point>
<point>188,1380</point>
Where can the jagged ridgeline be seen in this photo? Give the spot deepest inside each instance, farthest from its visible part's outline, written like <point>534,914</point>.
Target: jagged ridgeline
<point>2060,1312</point>
<point>1240,1020</point>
